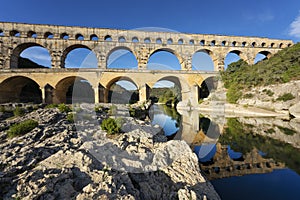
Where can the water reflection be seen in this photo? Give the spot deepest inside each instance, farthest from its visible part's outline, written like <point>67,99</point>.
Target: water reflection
<point>243,151</point>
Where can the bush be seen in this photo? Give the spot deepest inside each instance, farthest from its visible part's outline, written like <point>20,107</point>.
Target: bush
<point>111,126</point>
<point>51,106</point>
<point>70,117</point>
<point>2,109</point>
<point>233,94</point>
<point>285,97</point>
<point>21,128</point>
<point>112,110</point>
<point>248,96</point>
<point>19,111</point>
<point>64,108</point>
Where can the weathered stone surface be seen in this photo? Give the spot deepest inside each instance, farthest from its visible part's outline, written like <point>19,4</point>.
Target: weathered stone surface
<point>54,161</point>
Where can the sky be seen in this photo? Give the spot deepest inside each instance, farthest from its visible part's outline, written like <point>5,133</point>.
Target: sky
<point>263,18</point>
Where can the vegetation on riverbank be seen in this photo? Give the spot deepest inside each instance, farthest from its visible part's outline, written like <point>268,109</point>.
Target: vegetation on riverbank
<point>283,67</point>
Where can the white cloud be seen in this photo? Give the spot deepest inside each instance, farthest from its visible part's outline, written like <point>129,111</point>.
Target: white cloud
<point>262,17</point>
<point>295,27</point>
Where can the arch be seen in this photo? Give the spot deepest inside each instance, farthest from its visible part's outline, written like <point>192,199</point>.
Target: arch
<point>272,45</point>
<point>180,41</point>
<point>20,89</point>
<point>14,33</point>
<point>202,42</point>
<point>73,89</point>
<point>233,44</point>
<point>1,33</point>
<point>280,45</point>
<point>167,90</point>
<point>164,59</point>
<point>79,56</point>
<point>263,44</point>
<point>121,39</point>
<point>202,60</point>
<point>122,89</point>
<point>31,34</point>
<point>16,60</point>
<point>223,43</point>
<point>289,44</point>
<point>135,39</point>
<point>170,41</point>
<point>262,55</point>
<point>147,40</point>
<point>192,42</point>
<point>107,38</point>
<point>121,56</point>
<point>158,41</point>
<point>232,56</point>
<point>94,37</point>
<point>244,44</point>
<point>64,36</point>
<point>213,43</point>
<point>253,44</point>
<point>79,36</point>
<point>48,35</point>
<point>208,85</point>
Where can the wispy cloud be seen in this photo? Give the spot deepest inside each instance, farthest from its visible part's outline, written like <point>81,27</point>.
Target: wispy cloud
<point>295,27</point>
<point>262,17</point>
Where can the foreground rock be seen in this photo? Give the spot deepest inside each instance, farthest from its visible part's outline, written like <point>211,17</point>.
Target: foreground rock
<point>54,161</point>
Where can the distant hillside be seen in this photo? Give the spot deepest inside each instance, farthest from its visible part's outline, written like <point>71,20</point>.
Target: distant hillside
<point>280,68</point>
<point>27,63</point>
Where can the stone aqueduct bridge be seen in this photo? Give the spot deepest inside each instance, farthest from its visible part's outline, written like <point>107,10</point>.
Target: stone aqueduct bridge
<point>60,40</point>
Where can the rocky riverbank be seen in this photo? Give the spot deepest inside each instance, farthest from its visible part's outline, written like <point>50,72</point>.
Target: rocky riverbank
<point>63,160</point>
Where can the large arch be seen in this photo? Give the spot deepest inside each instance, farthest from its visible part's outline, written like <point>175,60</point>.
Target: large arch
<point>16,61</point>
<point>233,56</point>
<point>202,60</point>
<point>167,87</point>
<point>20,89</point>
<point>121,57</point>
<point>164,59</point>
<point>83,58</point>
<point>262,55</point>
<point>208,85</point>
<point>122,90</point>
<point>73,89</point>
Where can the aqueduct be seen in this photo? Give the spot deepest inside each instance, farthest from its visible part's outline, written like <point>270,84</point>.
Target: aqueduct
<point>52,84</point>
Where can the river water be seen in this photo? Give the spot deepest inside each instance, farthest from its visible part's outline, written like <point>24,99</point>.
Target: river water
<point>244,158</point>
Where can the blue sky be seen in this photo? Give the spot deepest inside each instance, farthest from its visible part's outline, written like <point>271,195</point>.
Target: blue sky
<point>264,18</point>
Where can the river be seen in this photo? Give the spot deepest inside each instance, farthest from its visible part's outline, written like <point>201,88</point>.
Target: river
<point>244,158</point>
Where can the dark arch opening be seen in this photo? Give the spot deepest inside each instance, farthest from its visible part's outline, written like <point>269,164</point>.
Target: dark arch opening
<point>192,42</point>
<point>170,41</point>
<point>79,56</point>
<point>202,42</point>
<point>163,59</point>
<point>135,39</point>
<point>79,36</point>
<point>158,41</point>
<point>107,38</point>
<point>1,33</point>
<point>30,55</point>
<point>232,56</point>
<point>94,37</point>
<point>223,43</point>
<point>208,86</point>
<point>122,39</point>
<point>14,33</point>
<point>167,90</point>
<point>244,44</point>
<point>122,90</point>
<point>180,41</point>
<point>48,35</point>
<point>74,90</point>
<point>263,55</point>
<point>20,89</point>
<point>147,40</point>
<point>121,58</point>
<point>32,34</point>
<point>64,36</point>
<point>202,60</point>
